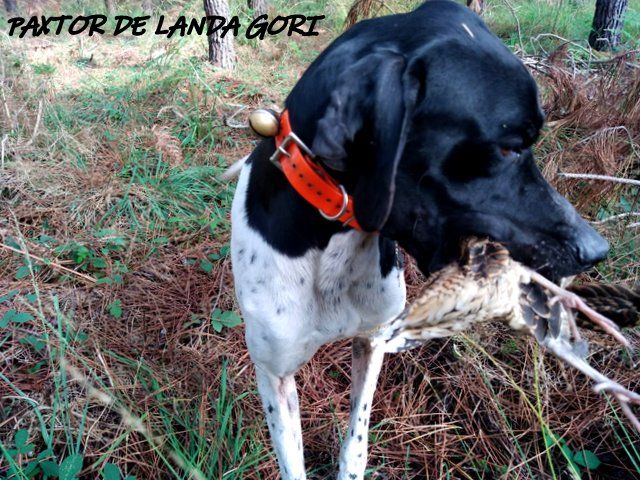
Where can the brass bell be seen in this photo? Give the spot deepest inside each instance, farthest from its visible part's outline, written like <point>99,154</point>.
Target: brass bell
<point>264,122</point>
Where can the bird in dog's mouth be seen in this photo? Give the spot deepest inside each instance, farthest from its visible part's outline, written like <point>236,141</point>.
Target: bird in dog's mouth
<point>486,284</point>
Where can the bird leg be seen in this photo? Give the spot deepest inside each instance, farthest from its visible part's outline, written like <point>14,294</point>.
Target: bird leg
<point>571,320</point>
<point>573,301</point>
<point>623,396</point>
<point>626,409</point>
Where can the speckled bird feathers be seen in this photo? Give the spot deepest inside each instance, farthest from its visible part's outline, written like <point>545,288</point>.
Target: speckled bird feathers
<point>485,285</point>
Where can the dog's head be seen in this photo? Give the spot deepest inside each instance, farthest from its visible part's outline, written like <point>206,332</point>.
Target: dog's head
<point>433,138</point>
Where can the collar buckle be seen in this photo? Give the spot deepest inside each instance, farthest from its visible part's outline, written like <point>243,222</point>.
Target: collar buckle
<point>282,149</point>
<point>309,178</point>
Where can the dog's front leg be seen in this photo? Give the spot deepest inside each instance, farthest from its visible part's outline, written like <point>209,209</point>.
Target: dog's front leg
<point>280,402</point>
<point>366,364</point>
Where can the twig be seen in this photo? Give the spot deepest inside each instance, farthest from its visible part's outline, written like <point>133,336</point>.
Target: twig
<point>618,128</point>
<point>228,121</point>
<point>606,130</point>
<point>37,125</point>
<point>131,420</point>
<point>515,16</point>
<point>617,58</point>
<point>2,150</point>
<point>565,40</point>
<point>50,263</point>
<point>5,104</point>
<point>616,217</point>
<point>6,108</point>
<point>593,176</point>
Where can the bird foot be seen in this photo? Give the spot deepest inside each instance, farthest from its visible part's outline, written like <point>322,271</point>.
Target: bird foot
<point>571,320</point>
<point>617,389</point>
<point>624,397</point>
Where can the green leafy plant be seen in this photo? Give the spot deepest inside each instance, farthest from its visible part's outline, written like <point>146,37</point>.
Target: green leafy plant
<point>43,69</point>
<point>583,458</point>
<point>39,467</point>
<point>34,341</point>
<point>222,253</point>
<point>115,308</point>
<point>111,471</point>
<point>206,265</point>
<point>13,316</point>
<point>9,296</point>
<point>587,459</point>
<point>24,271</point>
<point>221,319</point>
<point>70,467</point>
<point>21,443</point>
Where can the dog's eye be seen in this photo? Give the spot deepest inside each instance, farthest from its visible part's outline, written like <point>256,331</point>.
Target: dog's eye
<point>510,154</point>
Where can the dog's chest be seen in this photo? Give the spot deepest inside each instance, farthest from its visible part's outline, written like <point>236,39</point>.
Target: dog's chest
<point>319,297</point>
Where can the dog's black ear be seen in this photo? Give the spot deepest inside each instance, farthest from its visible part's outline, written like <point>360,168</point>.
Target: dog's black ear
<point>364,130</point>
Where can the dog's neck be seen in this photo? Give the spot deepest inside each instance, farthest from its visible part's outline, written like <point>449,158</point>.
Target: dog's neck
<point>286,221</point>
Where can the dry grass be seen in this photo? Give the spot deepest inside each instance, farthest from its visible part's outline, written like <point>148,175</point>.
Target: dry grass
<point>593,127</point>
<point>601,109</point>
<point>359,10</point>
<point>446,407</point>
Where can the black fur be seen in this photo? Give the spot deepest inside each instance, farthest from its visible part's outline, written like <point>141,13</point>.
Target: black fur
<point>413,116</point>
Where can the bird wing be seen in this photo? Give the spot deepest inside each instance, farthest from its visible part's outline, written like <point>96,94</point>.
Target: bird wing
<point>481,287</point>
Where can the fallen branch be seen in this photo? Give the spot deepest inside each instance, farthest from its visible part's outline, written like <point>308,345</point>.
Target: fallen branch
<point>83,276</point>
<point>228,120</point>
<point>618,216</point>
<point>593,176</point>
<point>2,150</point>
<point>36,127</point>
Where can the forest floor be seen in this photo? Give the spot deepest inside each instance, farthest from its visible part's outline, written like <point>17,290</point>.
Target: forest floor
<point>121,349</point>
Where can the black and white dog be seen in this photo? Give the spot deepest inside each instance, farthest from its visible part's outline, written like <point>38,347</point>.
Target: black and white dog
<point>427,120</point>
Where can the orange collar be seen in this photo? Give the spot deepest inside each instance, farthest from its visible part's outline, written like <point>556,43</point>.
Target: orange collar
<point>310,179</point>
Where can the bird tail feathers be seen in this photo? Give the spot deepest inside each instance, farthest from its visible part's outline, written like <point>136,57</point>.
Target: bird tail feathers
<point>617,302</point>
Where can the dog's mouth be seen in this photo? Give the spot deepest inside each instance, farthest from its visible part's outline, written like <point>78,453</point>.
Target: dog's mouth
<point>543,268</point>
<point>551,257</point>
<point>540,251</point>
<point>554,263</point>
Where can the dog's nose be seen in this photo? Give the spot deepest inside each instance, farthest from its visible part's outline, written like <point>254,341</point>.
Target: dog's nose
<point>592,248</point>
